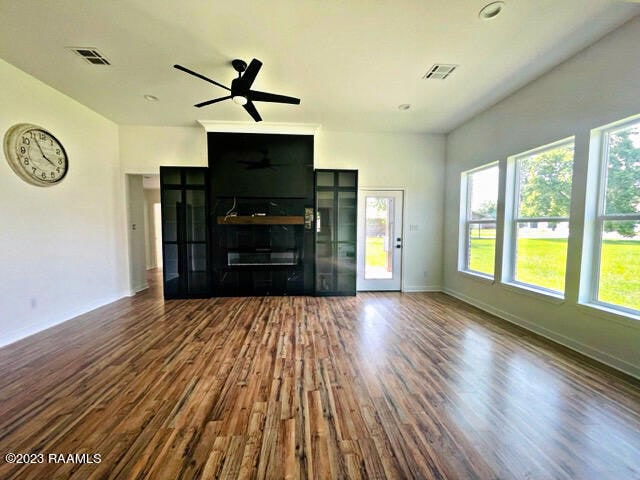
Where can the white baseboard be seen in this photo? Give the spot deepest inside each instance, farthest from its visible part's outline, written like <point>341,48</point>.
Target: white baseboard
<point>421,288</point>
<point>138,288</point>
<point>594,353</point>
<point>11,337</point>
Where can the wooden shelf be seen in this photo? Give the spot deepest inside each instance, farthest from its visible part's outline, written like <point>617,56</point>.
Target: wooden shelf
<point>262,220</point>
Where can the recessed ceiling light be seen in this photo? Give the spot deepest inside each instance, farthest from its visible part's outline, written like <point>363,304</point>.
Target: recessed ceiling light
<point>404,106</point>
<point>490,10</point>
<point>151,98</point>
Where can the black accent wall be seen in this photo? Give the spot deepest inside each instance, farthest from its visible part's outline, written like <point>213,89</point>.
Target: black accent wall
<point>261,165</point>
<point>261,187</point>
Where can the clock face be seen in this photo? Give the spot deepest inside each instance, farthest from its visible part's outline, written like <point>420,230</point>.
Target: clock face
<point>35,154</point>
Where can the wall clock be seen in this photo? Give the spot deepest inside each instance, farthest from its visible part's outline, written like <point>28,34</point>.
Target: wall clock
<point>35,154</point>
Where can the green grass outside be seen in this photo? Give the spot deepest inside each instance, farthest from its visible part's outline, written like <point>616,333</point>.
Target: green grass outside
<point>541,262</point>
<point>375,256</point>
<point>620,273</point>
<point>482,255</point>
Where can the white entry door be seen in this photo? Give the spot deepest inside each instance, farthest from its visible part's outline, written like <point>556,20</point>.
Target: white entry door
<point>379,239</point>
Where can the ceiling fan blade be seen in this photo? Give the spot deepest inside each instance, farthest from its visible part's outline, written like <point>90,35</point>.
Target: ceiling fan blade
<point>250,73</point>
<point>209,102</point>
<point>251,109</point>
<point>257,96</point>
<point>196,74</point>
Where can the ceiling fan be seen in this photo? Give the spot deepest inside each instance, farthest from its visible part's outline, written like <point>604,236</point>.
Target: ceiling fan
<point>240,91</point>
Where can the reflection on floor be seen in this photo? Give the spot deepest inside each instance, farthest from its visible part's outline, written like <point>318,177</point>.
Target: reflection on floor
<point>382,385</point>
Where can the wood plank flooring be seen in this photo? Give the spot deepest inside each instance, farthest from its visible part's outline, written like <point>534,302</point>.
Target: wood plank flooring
<point>383,385</point>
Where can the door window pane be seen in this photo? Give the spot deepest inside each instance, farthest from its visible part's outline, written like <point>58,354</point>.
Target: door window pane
<point>378,248</point>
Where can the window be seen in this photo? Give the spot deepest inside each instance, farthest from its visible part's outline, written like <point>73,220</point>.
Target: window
<point>478,229</point>
<point>617,247</point>
<point>537,230</point>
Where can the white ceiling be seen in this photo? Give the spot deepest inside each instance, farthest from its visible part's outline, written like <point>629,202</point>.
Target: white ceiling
<point>352,62</point>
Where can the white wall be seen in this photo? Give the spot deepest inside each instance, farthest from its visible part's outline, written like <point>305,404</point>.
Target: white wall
<point>594,88</point>
<point>144,149</point>
<point>62,248</point>
<point>137,234</point>
<point>151,197</point>
<point>413,162</point>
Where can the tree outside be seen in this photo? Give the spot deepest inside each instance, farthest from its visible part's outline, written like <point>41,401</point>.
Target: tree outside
<point>623,180</point>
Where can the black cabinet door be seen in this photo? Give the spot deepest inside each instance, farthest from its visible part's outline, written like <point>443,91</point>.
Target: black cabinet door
<point>185,237</point>
<point>336,223</point>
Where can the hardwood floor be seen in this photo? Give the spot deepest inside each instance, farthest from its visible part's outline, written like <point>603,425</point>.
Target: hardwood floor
<point>383,385</point>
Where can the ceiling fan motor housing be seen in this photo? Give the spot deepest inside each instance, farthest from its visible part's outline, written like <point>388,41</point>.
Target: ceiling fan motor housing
<point>239,87</point>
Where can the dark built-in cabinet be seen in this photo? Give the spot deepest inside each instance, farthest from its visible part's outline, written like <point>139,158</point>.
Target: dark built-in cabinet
<point>185,233</point>
<point>259,247</point>
<point>336,214</point>
<point>258,221</point>
<point>262,214</point>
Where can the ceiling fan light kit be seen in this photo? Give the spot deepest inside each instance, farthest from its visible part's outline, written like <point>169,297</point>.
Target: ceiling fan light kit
<point>240,91</point>
<point>240,100</point>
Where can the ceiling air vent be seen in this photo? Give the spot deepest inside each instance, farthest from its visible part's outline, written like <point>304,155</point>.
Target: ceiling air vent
<point>439,71</point>
<point>91,55</point>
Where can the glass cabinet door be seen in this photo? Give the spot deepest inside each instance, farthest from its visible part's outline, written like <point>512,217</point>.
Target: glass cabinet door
<point>336,226</point>
<point>325,240</point>
<point>184,232</point>
<point>196,217</point>
<point>347,212</point>
<point>171,205</point>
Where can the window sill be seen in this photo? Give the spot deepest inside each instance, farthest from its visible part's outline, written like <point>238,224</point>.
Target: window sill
<point>480,277</point>
<point>544,295</point>
<point>611,314</point>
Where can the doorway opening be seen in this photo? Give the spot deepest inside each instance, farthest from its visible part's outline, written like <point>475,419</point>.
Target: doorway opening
<point>144,229</point>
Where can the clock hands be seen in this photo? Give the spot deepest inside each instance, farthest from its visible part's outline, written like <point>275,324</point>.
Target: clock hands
<point>45,157</point>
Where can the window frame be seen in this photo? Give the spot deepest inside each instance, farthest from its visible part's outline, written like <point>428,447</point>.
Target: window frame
<point>512,218</point>
<point>466,222</point>
<point>603,135</point>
